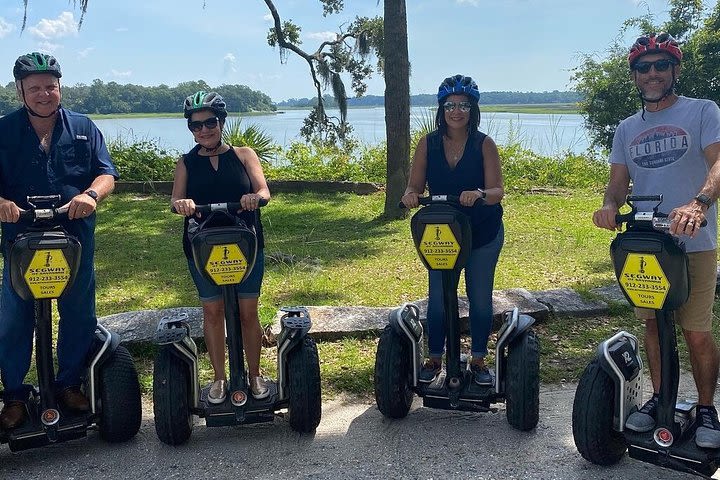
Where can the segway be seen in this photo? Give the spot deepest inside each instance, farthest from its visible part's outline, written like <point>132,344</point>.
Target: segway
<point>651,267</point>
<point>43,265</point>
<point>442,237</point>
<point>224,250</point>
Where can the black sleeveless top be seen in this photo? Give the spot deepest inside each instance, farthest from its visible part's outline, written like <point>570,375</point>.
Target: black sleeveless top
<point>227,184</point>
<point>468,174</point>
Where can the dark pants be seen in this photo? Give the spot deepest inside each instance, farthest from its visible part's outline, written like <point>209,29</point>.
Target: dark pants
<point>75,336</point>
<point>479,278</point>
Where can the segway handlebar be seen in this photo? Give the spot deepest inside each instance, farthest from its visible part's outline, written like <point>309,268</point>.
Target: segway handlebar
<point>453,199</point>
<point>228,207</point>
<point>658,221</point>
<point>35,213</point>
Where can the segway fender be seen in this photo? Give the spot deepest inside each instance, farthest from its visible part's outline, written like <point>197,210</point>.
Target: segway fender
<point>295,324</point>
<point>619,357</point>
<point>405,320</point>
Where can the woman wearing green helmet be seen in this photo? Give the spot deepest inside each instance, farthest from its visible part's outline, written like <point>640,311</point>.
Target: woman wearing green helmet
<point>215,172</point>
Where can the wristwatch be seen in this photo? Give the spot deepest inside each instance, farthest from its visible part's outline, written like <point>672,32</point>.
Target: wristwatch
<point>483,195</point>
<point>92,194</point>
<point>704,199</point>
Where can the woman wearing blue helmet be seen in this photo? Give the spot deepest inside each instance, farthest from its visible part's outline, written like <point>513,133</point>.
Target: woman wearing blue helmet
<point>457,159</point>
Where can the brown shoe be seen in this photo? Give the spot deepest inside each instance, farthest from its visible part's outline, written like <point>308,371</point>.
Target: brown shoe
<point>73,399</point>
<point>13,415</point>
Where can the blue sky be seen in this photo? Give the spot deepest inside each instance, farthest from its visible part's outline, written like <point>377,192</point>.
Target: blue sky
<point>518,45</point>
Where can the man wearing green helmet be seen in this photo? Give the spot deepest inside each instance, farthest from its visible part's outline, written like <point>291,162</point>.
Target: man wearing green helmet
<point>48,150</point>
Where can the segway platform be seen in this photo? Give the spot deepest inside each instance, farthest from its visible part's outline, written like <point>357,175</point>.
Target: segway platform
<point>251,410</point>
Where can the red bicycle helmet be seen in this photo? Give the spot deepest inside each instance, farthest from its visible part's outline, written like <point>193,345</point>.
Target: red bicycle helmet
<point>654,43</point>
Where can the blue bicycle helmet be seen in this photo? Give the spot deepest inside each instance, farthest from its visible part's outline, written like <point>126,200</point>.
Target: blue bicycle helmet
<point>205,101</point>
<point>459,85</point>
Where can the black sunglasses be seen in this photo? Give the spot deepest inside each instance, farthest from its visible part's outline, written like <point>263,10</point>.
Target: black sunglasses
<point>660,65</point>
<point>209,123</point>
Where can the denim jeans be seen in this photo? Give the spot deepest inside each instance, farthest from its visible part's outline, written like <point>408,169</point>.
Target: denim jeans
<point>479,278</point>
<point>75,336</point>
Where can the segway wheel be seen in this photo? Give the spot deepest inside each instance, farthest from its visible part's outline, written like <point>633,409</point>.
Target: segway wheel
<point>592,418</point>
<point>171,398</point>
<point>393,370</point>
<point>304,394</point>
<point>121,406</point>
<point>522,382</point>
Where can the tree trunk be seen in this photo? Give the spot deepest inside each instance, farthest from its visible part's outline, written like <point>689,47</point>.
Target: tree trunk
<point>397,105</point>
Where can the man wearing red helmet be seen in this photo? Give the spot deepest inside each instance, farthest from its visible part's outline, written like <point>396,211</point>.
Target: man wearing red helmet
<point>672,147</point>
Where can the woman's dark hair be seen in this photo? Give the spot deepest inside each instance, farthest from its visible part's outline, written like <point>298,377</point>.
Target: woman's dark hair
<point>473,122</point>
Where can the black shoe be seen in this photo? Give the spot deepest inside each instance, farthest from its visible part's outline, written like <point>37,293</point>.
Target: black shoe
<point>430,370</point>
<point>644,419</point>
<point>481,375</point>
<point>707,434</point>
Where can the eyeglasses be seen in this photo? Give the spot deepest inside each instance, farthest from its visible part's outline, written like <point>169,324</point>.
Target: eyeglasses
<point>209,123</point>
<point>660,65</point>
<point>463,106</point>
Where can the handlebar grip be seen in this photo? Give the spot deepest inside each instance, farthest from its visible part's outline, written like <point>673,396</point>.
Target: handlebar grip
<point>27,214</point>
<point>230,207</point>
<point>621,218</point>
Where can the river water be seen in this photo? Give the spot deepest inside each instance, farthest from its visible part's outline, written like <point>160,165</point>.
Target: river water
<point>542,133</point>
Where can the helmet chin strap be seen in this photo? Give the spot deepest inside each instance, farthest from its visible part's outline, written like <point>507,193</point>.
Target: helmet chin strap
<point>656,101</point>
<point>31,111</point>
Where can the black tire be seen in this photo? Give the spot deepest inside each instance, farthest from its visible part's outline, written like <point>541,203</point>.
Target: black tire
<point>171,398</point>
<point>304,394</point>
<point>522,382</point>
<point>592,418</point>
<point>393,368</point>
<point>121,404</point>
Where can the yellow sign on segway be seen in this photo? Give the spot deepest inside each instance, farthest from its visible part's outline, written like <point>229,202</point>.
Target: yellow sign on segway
<point>644,281</point>
<point>439,247</point>
<point>226,264</point>
<point>48,274</point>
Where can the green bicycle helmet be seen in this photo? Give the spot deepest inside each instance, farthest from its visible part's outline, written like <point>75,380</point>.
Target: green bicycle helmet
<point>205,101</point>
<point>36,62</point>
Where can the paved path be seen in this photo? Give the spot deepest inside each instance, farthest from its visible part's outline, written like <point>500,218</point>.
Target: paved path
<point>353,441</point>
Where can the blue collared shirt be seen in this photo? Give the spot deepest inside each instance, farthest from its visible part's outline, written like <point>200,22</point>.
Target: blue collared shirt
<point>77,156</point>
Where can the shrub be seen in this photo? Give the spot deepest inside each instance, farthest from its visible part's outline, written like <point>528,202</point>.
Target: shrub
<point>142,160</point>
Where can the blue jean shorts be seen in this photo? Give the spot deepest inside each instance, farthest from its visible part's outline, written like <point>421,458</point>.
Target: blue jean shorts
<point>250,288</point>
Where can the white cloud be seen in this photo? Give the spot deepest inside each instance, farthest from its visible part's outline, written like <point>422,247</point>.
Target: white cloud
<point>48,29</point>
<point>5,27</point>
<point>122,29</point>
<point>116,73</point>
<point>85,52</point>
<point>268,18</point>
<point>48,47</point>
<point>474,3</point>
<point>323,36</point>
<point>229,64</point>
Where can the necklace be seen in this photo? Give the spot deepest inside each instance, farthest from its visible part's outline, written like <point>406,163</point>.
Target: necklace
<point>212,150</point>
<point>455,154</point>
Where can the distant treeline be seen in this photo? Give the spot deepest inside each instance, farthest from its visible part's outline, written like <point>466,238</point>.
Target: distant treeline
<point>427,100</point>
<point>112,97</point>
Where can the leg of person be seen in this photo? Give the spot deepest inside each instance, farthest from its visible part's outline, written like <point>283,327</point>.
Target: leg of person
<point>76,333</point>
<point>643,420</point>
<point>248,295</point>
<point>695,317</point>
<point>436,328</point>
<point>16,339</point>
<point>213,332</point>
<point>479,281</point>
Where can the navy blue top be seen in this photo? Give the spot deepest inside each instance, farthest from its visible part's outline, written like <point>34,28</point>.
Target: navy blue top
<point>226,184</point>
<point>468,174</point>
<point>77,156</point>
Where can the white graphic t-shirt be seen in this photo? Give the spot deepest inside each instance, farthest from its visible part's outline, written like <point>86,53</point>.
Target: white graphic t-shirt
<point>664,155</point>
